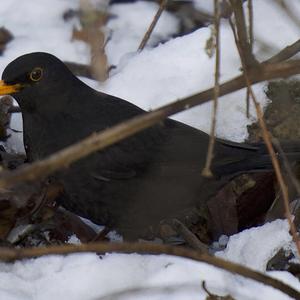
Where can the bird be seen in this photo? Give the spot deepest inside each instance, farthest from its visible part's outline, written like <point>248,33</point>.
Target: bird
<point>136,183</point>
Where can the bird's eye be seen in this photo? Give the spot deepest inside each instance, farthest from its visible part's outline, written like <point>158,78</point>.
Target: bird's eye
<point>36,74</point>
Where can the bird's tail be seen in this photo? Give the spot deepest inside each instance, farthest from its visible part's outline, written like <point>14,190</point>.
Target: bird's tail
<point>255,158</point>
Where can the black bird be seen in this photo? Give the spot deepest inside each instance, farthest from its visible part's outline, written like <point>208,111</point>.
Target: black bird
<point>135,183</point>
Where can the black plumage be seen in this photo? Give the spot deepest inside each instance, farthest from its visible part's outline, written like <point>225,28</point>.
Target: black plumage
<point>135,183</point>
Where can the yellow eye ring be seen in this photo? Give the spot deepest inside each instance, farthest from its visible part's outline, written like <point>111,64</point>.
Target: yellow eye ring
<point>36,74</point>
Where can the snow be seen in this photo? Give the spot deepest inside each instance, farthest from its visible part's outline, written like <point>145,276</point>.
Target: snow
<point>88,276</point>
<point>204,6</point>
<point>39,26</point>
<point>127,28</point>
<point>156,76</point>
<point>180,68</point>
<point>244,250</point>
<point>285,30</point>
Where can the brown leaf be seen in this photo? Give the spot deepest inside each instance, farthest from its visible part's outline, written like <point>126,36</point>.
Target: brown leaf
<point>241,203</point>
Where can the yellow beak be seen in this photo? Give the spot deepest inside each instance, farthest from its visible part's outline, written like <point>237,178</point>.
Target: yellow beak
<point>7,89</point>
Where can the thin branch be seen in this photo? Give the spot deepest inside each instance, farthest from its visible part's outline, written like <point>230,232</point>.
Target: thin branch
<point>210,151</point>
<point>189,237</point>
<point>277,170</point>
<point>105,138</point>
<point>250,27</point>
<point>101,235</point>
<point>245,38</point>
<point>211,296</point>
<point>12,254</point>
<point>291,14</point>
<point>267,140</point>
<point>148,33</point>
<point>251,40</point>
<point>233,28</point>
<point>247,103</point>
<point>287,165</point>
<point>237,7</point>
<point>278,173</point>
<point>285,53</point>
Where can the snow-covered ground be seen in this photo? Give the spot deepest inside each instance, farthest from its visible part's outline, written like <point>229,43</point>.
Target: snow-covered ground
<point>90,277</point>
<point>175,69</point>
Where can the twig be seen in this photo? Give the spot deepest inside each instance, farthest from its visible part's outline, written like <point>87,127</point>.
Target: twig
<point>105,138</point>
<point>100,236</point>
<point>267,140</point>
<point>12,254</point>
<point>250,27</point>
<point>251,39</point>
<point>237,6</point>
<point>290,13</point>
<point>210,151</point>
<point>279,176</point>
<point>286,164</point>
<point>189,237</point>
<point>243,36</point>
<point>211,296</point>
<point>148,33</point>
<point>277,170</point>
<point>233,28</point>
<point>285,53</point>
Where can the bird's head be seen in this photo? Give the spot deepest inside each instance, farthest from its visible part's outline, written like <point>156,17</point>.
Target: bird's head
<point>35,79</point>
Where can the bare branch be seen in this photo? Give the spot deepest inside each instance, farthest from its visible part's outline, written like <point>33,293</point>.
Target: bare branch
<point>210,151</point>
<point>277,169</point>
<point>251,40</point>
<point>250,27</point>
<point>285,53</point>
<point>291,14</point>
<point>189,237</point>
<point>237,6</point>
<point>147,35</point>
<point>287,165</point>
<point>267,140</point>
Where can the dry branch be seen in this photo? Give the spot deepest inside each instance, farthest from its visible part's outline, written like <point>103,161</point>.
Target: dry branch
<point>286,165</point>
<point>244,37</point>
<point>244,41</point>
<point>148,33</point>
<point>291,14</point>
<point>267,138</point>
<point>285,53</point>
<point>98,141</point>
<point>251,40</point>
<point>12,254</point>
<point>250,27</point>
<point>210,151</point>
<point>189,237</point>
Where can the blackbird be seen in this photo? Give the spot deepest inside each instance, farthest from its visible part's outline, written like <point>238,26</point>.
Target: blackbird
<point>134,184</point>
